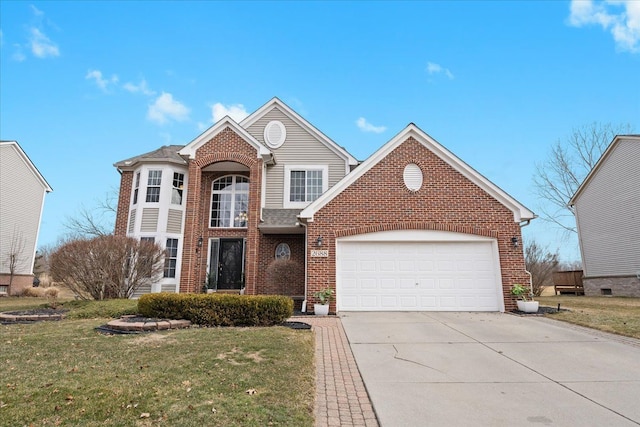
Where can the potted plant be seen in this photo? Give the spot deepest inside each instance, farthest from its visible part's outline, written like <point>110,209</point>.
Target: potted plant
<point>524,304</point>
<point>324,296</point>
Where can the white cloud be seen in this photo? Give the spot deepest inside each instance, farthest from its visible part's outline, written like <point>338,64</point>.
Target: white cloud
<point>433,68</point>
<point>41,45</point>
<point>142,87</point>
<point>620,17</point>
<point>102,82</point>
<point>365,126</point>
<point>37,12</point>
<point>165,108</point>
<point>236,111</point>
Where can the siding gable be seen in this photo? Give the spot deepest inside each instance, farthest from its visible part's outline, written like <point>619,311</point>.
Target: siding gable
<point>607,210</point>
<point>300,147</point>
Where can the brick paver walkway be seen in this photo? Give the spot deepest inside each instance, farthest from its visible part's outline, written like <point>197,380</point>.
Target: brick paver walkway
<point>341,399</point>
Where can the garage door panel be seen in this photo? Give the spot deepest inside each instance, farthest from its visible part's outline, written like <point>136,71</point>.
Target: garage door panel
<point>443,276</point>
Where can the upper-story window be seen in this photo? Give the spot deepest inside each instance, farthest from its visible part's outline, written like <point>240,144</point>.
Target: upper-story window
<point>153,185</point>
<point>230,201</point>
<point>178,188</point>
<point>304,184</point>
<point>135,189</point>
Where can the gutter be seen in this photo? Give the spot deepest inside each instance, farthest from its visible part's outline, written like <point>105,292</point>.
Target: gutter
<point>304,302</point>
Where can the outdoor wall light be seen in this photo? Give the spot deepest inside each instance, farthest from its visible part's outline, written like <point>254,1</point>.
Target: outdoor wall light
<point>514,242</point>
<point>319,241</point>
<point>200,241</point>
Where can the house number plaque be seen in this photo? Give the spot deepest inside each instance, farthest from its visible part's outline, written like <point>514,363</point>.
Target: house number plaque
<point>319,253</point>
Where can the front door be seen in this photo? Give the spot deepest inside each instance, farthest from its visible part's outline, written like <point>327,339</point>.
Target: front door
<point>231,264</point>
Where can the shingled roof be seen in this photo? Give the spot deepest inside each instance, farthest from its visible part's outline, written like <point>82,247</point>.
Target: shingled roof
<point>164,154</point>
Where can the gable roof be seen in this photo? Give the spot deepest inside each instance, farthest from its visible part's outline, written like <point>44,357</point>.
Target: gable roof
<point>164,154</point>
<point>29,163</point>
<point>520,212</point>
<point>275,102</point>
<point>190,149</point>
<point>600,162</point>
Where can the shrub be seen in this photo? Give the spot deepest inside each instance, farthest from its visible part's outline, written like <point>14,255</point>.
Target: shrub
<point>33,292</point>
<point>280,273</point>
<point>107,266</point>
<point>218,309</point>
<point>52,295</point>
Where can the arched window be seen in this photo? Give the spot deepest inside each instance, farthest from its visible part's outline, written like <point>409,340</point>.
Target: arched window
<point>230,201</point>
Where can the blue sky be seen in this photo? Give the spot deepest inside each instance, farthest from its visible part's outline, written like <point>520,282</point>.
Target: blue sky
<point>86,84</point>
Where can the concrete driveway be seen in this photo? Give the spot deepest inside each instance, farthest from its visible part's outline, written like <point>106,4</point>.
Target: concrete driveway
<point>493,369</point>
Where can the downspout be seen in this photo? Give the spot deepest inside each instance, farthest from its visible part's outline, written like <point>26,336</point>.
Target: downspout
<point>524,224</point>
<point>304,302</point>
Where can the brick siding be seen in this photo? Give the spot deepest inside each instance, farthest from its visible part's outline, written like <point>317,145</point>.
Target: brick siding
<point>448,201</point>
<point>225,146</point>
<point>122,213</point>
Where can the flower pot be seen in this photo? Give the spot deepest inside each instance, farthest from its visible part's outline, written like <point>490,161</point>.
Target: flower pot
<point>528,306</point>
<point>320,309</point>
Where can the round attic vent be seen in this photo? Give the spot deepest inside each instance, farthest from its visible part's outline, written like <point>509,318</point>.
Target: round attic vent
<point>275,133</point>
<point>412,177</point>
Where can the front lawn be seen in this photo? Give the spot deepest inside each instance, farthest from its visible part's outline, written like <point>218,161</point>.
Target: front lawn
<point>65,373</point>
<point>610,314</point>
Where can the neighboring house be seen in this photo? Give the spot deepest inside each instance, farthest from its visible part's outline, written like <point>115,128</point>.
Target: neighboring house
<point>22,191</point>
<point>411,228</point>
<point>607,210</point>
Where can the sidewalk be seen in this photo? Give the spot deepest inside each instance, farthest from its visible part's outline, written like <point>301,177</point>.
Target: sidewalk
<point>341,398</point>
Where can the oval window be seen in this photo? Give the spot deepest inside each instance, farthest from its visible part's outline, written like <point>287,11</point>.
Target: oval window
<point>283,251</point>
<point>274,134</point>
<point>412,177</point>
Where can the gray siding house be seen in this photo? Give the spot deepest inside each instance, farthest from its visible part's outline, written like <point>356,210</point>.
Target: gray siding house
<point>607,210</point>
<point>22,191</point>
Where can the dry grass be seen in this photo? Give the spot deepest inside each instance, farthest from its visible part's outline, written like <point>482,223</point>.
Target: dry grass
<point>617,315</point>
<point>64,373</point>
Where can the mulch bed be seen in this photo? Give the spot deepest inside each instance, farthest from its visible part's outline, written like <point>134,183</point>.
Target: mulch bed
<point>542,310</point>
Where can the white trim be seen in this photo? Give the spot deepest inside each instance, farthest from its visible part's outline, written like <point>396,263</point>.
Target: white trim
<point>425,236</point>
<point>599,163</point>
<point>286,203</point>
<point>267,131</point>
<point>34,170</point>
<point>275,102</point>
<point>415,236</point>
<point>190,149</point>
<point>520,212</point>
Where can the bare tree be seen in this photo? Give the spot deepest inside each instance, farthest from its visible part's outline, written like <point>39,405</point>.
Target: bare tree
<point>95,221</point>
<point>16,257</point>
<point>107,266</point>
<point>558,178</point>
<point>541,264</point>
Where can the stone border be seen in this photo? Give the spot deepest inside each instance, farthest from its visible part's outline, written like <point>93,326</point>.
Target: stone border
<point>7,317</point>
<point>126,324</point>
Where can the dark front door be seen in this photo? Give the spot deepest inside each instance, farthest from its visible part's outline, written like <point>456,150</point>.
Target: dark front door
<point>230,264</point>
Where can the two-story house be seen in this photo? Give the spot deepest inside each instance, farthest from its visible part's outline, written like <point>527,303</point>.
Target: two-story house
<point>411,228</point>
<point>22,192</point>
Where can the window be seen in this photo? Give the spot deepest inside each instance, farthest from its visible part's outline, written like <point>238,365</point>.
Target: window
<point>135,189</point>
<point>230,202</point>
<point>304,184</point>
<point>153,186</point>
<point>283,251</point>
<point>178,184</point>
<point>146,270</point>
<point>171,258</point>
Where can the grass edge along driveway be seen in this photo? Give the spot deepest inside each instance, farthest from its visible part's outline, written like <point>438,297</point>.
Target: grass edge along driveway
<point>616,315</point>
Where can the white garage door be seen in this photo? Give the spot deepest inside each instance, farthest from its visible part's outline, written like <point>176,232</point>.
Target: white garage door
<point>418,276</point>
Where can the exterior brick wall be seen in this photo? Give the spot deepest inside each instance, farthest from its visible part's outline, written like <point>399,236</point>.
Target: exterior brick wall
<point>447,200</point>
<point>124,196</point>
<point>18,284</point>
<point>294,286</point>
<point>225,146</point>
<point>628,286</point>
